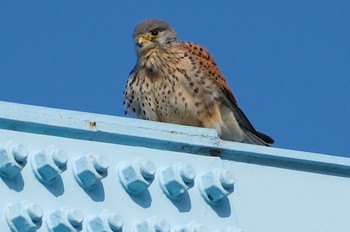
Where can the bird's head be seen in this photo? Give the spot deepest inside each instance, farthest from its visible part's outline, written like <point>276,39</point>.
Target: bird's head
<point>152,33</point>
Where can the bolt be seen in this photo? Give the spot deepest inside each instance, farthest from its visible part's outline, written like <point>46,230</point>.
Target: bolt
<point>147,169</point>
<point>34,211</point>
<point>115,222</point>
<point>227,178</point>
<point>187,173</point>
<point>141,227</point>
<point>161,225</point>
<point>60,158</point>
<point>199,228</point>
<point>194,227</point>
<point>89,170</point>
<point>13,158</point>
<point>101,164</point>
<point>19,152</point>
<point>48,164</point>
<point>23,216</point>
<point>136,176</point>
<point>64,219</point>
<point>75,217</point>
<point>106,221</point>
<point>176,179</point>
<point>152,224</point>
<point>215,185</point>
<point>94,223</point>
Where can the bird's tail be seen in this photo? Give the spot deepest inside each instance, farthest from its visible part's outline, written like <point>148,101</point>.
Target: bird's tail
<point>258,138</point>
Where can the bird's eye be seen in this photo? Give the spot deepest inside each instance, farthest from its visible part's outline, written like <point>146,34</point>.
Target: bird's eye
<point>154,33</point>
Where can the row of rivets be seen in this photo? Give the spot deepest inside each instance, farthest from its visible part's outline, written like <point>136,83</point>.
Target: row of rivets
<point>135,176</point>
<point>26,216</point>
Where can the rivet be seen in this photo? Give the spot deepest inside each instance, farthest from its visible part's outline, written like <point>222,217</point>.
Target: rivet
<point>115,222</point>
<point>187,173</point>
<point>23,216</point>
<point>101,164</point>
<point>64,219</point>
<point>19,152</point>
<point>152,224</point>
<point>176,179</point>
<point>75,217</point>
<point>60,157</point>
<point>161,225</point>
<point>106,221</point>
<point>13,158</point>
<point>48,164</point>
<point>227,178</point>
<point>89,169</point>
<point>136,176</point>
<point>34,211</point>
<point>215,185</point>
<point>147,169</point>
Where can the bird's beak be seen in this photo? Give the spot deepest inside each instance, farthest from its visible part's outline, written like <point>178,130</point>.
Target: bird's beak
<point>141,40</point>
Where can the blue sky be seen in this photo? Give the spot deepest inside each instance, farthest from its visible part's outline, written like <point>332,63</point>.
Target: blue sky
<point>287,62</point>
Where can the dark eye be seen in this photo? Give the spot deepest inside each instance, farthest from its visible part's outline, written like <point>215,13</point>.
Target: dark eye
<point>154,32</point>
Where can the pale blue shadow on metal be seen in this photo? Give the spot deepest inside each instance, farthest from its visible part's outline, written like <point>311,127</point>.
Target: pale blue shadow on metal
<point>149,176</point>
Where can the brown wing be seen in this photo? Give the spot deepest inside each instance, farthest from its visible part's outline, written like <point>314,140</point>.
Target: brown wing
<point>211,72</point>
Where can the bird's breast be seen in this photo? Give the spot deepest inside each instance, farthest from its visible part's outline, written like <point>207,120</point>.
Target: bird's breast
<point>170,90</point>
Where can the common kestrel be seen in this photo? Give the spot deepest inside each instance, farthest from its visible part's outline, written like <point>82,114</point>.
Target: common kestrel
<point>179,82</point>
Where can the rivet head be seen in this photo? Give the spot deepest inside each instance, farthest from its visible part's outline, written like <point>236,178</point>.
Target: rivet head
<point>147,169</point>
<point>187,173</point>
<point>136,176</point>
<point>60,158</point>
<point>64,219</point>
<point>115,221</point>
<point>19,152</point>
<point>48,164</point>
<point>23,216</point>
<point>34,211</point>
<point>161,225</point>
<point>89,169</point>
<point>195,227</point>
<point>227,178</point>
<point>200,228</point>
<point>216,185</point>
<point>176,179</point>
<point>13,158</point>
<point>100,164</point>
<point>75,217</point>
<point>152,224</point>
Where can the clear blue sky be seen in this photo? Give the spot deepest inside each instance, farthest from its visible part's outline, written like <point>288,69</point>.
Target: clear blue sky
<point>287,62</point>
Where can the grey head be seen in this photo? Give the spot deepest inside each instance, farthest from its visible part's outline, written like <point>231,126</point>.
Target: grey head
<point>151,33</point>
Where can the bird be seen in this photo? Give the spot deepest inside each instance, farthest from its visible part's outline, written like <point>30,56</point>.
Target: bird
<point>179,82</point>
